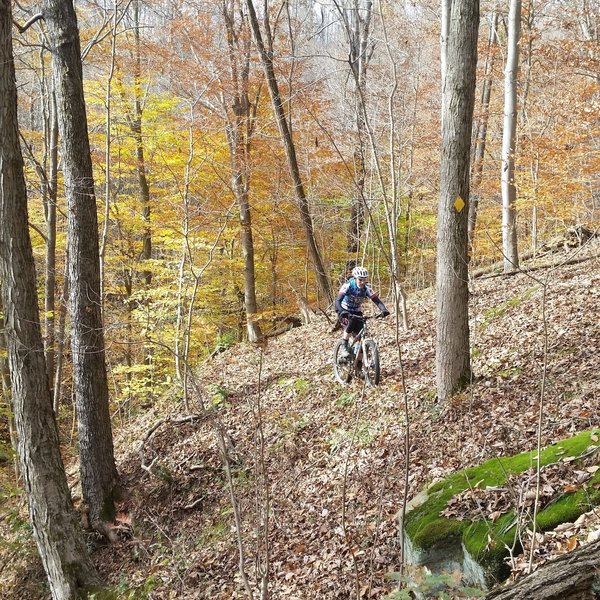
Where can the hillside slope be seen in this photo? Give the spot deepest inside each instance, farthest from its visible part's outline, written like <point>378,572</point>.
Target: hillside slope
<point>330,460</point>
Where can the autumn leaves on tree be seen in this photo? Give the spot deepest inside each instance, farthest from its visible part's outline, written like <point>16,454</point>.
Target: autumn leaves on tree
<point>250,154</point>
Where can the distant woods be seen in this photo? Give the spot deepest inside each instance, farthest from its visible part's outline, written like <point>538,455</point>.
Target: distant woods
<point>178,177</point>
<point>243,158</point>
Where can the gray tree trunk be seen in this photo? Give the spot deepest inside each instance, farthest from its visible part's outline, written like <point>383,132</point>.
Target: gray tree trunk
<point>356,20</point>
<point>97,464</point>
<point>239,114</point>
<point>266,58</point>
<point>136,128</point>
<point>446,8</point>
<point>572,576</point>
<point>482,124</point>
<point>59,541</point>
<point>6,389</point>
<point>453,367</point>
<point>50,216</point>
<point>509,139</point>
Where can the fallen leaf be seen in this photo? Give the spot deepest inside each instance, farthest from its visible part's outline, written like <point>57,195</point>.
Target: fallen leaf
<point>572,543</point>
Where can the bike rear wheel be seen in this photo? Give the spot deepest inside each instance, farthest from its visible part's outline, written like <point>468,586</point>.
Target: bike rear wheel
<point>370,362</point>
<point>342,367</point>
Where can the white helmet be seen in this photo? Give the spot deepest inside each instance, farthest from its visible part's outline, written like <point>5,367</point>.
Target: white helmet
<point>360,272</point>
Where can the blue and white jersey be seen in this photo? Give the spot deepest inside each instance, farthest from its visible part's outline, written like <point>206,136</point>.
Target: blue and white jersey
<point>351,297</point>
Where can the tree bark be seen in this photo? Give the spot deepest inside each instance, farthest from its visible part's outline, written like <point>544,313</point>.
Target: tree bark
<point>446,7</point>
<point>136,128</point>
<point>568,577</point>
<point>239,117</point>
<point>55,530</point>
<point>50,216</point>
<point>6,389</point>
<point>453,367</point>
<point>482,123</point>
<point>357,26</point>
<point>97,464</point>
<point>509,138</point>
<point>322,278</point>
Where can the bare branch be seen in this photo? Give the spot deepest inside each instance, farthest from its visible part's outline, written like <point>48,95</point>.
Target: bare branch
<point>24,28</point>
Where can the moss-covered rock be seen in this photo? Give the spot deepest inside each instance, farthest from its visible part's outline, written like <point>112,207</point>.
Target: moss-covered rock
<point>478,545</point>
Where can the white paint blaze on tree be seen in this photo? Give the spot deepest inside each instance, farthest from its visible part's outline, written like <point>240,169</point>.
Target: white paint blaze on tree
<point>60,544</point>
<point>453,367</point>
<point>509,138</point>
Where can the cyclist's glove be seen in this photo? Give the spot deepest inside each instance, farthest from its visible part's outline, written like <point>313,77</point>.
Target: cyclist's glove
<point>344,315</point>
<point>385,313</point>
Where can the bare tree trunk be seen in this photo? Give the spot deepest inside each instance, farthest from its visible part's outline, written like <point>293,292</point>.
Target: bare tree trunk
<point>136,128</point>
<point>482,123</point>
<point>240,127</point>
<point>50,215</point>
<point>107,149</point>
<point>357,26</point>
<point>569,577</point>
<point>6,389</point>
<point>98,471</point>
<point>453,367</point>
<point>446,6</point>
<point>61,547</point>
<point>509,139</point>
<point>60,343</point>
<point>323,282</point>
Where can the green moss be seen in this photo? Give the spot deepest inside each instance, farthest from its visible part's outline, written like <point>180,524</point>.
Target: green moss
<point>487,541</point>
<point>123,591</point>
<point>298,385</point>
<point>567,507</point>
<point>499,311</point>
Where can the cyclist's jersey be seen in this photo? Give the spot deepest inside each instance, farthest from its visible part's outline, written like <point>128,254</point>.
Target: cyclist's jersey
<point>351,297</point>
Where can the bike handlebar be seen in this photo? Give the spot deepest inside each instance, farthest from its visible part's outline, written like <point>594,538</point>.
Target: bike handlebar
<point>365,317</point>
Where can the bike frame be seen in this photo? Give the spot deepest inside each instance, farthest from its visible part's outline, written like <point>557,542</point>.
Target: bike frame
<point>365,361</point>
<point>361,337</point>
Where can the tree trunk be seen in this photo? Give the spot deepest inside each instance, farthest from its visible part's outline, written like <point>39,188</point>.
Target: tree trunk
<point>446,7</point>
<point>323,282</point>
<point>452,353</point>
<point>239,116</point>
<point>136,128</point>
<point>50,215</point>
<point>509,138</point>
<point>6,389</point>
<point>482,123</point>
<point>97,464</point>
<point>60,343</point>
<point>357,25</point>
<point>59,541</point>
<point>107,151</point>
<point>572,576</point>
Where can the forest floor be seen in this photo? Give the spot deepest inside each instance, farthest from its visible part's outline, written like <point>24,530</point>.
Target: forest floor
<point>328,464</point>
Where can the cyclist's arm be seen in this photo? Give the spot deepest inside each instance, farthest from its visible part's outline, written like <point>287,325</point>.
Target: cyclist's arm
<point>341,295</point>
<point>375,298</point>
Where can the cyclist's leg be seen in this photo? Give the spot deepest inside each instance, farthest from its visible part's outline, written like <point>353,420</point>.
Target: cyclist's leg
<point>354,323</point>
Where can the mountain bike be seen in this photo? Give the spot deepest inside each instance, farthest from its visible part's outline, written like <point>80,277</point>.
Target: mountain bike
<point>363,362</point>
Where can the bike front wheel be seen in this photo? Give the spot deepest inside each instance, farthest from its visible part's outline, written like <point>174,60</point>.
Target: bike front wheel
<point>342,367</point>
<point>370,362</point>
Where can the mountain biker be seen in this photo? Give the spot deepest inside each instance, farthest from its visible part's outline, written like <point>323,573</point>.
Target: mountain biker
<point>348,305</point>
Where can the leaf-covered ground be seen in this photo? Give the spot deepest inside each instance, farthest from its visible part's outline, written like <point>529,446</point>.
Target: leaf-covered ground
<point>321,468</point>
